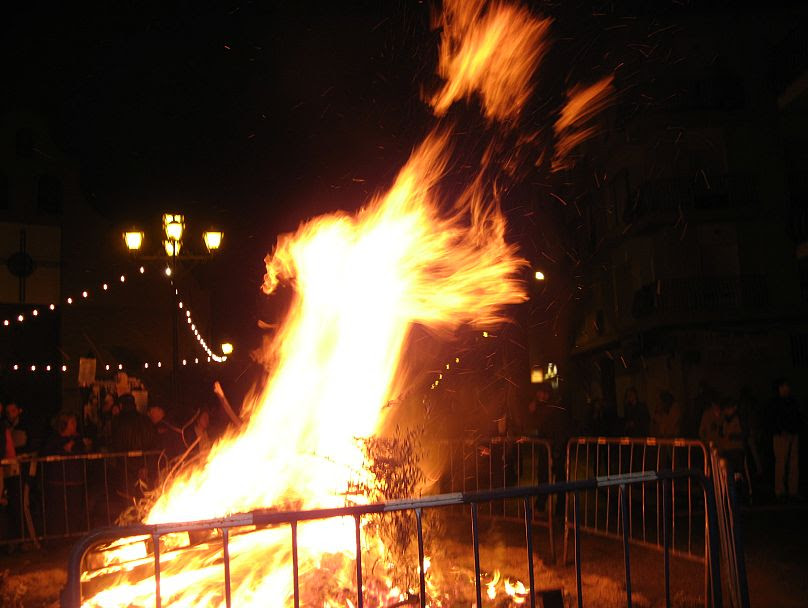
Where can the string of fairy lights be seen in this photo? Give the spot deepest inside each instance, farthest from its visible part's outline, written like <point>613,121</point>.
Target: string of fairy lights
<point>438,376</point>
<point>85,295</point>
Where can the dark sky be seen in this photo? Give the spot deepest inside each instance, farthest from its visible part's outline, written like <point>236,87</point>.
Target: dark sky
<point>255,116</point>
<point>222,108</point>
<point>245,115</point>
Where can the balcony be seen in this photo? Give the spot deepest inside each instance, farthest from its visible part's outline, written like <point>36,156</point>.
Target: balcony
<point>662,196</point>
<point>727,295</point>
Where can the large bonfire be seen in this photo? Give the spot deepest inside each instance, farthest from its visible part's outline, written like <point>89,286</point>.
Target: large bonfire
<point>361,282</point>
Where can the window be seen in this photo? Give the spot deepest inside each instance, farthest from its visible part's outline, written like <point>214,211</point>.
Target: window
<point>799,350</point>
<point>4,193</point>
<point>49,194</point>
<point>24,143</point>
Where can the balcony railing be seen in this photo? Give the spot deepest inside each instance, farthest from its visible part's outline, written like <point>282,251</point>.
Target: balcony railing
<point>743,293</point>
<point>678,194</point>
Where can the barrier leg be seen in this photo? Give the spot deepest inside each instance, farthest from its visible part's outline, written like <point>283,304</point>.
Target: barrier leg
<point>578,584</point>
<point>359,590</point>
<point>421,571</point>
<point>624,510</point>
<point>475,539</point>
<point>529,543</point>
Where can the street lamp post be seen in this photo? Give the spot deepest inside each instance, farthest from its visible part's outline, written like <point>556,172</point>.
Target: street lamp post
<point>173,231</point>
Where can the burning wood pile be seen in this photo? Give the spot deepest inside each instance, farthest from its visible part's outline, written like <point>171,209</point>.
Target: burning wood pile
<point>417,254</point>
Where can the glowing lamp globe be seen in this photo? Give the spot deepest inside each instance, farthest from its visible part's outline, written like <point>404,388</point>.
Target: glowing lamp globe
<point>213,239</point>
<point>174,224</point>
<point>133,240</point>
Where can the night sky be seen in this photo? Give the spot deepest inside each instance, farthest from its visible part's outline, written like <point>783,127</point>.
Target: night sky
<point>250,117</point>
<point>255,117</point>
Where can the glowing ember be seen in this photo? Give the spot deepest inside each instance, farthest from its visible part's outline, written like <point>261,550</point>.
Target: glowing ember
<point>575,123</point>
<point>489,48</point>
<point>361,283</point>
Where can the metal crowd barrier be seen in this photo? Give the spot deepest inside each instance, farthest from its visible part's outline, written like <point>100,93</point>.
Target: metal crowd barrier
<point>483,464</point>
<point>734,564</point>
<point>72,593</point>
<point>595,456</point>
<point>50,497</point>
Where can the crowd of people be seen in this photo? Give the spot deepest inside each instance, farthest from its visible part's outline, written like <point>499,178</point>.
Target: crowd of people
<point>758,440</point>
<point>53,494</point>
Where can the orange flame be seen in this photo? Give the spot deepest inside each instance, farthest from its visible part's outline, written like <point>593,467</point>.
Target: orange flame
<point>583,104</point>
<point>361,283</point>
<point>491,50</point>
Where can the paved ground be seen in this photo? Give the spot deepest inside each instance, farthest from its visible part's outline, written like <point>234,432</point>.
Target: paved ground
<point>777,556</point>
<point>777,564</point>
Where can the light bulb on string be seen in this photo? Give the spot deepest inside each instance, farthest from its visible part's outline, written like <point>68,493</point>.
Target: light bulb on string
<point>52,306</point>
<point>142,270</point>
<point>84,294</point>
<point>123,278</point>
<point>20,318</point>
<point>69,300</point>
<point>105,286</point>
<point>64,368</point>
<point>35,312</point>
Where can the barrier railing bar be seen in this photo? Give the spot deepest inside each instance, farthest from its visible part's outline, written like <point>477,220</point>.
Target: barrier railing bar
<point>656,490</point>
<point>106,493</point>
<point>156,546</point>
<point>475,540</point>
<point>463,468</point>
<point>126,479</point>
<point>739,552</point>
<point>666,491</point>
<point>673,500</point>
<point>86,495</point>
<point>624,511</point>
<point>226,556</point>
<point>421,570</point>
<point>265,518</point>
<point>359,591</point>
<point>42,496</point>
<point>451,467</point>
<point>597,474</point>
<point>64,496</point>
<point>529,545</point>
<point>295,571</point>
<point>67,457</point>
<point>689,504</point>
<point>586,494</point>
<point>575,501</point>
<point>491,474</point>
<point>631,494</point>
<point>609,491</point>
<point>714,559</point>
<point>644,450</point>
